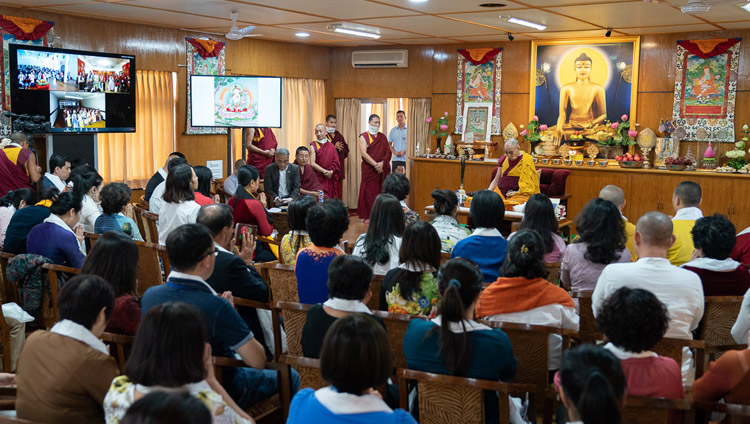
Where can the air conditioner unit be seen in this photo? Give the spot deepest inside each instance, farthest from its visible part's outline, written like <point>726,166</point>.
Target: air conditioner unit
<point>380,58</point>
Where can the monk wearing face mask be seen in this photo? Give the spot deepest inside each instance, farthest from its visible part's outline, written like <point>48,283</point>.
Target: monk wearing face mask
<point>376,165</point>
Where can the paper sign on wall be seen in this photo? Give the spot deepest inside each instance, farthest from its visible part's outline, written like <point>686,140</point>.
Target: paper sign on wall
<point>216,167</point>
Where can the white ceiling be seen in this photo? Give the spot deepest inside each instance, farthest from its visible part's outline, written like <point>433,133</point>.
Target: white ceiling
<point>405,21</point>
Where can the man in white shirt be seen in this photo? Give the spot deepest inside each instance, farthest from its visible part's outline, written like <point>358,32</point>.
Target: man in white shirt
<point>157,197</point>
<point>59,164</point>
<point>397,140</point>
<point>230,184</point>
<point>679,289</point>
<point>160,176</point>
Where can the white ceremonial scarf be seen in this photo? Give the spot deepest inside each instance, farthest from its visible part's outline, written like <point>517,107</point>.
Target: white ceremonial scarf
<point>710,264</point>
<point>456,327</point>
<point>347,305</point>
<point>347,403</point>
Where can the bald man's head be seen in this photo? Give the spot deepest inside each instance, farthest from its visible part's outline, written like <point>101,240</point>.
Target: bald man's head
<point>614,194</point>
<point>655,229</point>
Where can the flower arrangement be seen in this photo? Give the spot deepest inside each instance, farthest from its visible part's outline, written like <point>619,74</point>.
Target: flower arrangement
<point>621,134</point>
<point>533,131</point>
<point>737,156</point>
<point>442,125</point>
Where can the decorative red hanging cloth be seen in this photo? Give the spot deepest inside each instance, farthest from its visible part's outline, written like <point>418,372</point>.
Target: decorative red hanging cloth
<point>25,28</point>
<point>708,48</point>
<point>479,56</point>
<point>206,48</point>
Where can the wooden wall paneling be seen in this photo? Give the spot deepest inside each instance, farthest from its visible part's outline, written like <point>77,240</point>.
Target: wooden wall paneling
<point>652,107</point>
<point>716,195</point>
<point>586,185</point>
<point>444,69</point>
<point>252,56</point>
<point>740,204</point>
<point>442,103</point>
<point>657,64</point>
<point>516,67</point>
<point>644,194</point>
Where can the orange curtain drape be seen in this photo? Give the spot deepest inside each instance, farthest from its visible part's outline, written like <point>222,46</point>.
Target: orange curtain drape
<point>133,158</point>
<point>303,106</point>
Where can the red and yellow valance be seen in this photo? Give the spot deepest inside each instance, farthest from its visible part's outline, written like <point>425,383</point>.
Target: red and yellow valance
<point>479,56</point>
<point>206,48</point>
<point>708,48</point>
<point>25,28</point>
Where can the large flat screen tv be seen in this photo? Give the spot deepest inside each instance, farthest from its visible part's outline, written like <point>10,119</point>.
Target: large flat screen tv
<point>77,91</point>
<point>235,101</point>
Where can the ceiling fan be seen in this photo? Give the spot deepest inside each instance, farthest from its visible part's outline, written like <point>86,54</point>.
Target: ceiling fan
<point>699,6</point>
<point>235,33</point>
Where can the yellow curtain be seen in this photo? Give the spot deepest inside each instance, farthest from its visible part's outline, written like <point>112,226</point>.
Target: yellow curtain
<point>133,158</point>
<point>303,106</point>
<point>389,120</point>
<point>348,117</point>
<point>417,132</point>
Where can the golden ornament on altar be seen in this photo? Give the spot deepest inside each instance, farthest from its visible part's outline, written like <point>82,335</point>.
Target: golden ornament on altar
<point>592,151</point>
<point>563,150</point>
<point>510,131</point>
<point>646,139</point>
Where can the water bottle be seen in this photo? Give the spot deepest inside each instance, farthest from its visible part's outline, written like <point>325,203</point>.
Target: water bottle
<point>320,196</point>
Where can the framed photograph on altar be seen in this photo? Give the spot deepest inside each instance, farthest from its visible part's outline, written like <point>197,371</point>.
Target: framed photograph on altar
<point>577,86</point>
<point>478,120</point>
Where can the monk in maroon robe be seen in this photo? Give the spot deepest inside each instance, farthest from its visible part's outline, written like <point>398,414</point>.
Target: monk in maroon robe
<point>262,148</point>
<point>376,165</point>
<point>342,147</point>
<point>308,180</point>
<point>325,161</point>
<point>18,167</point>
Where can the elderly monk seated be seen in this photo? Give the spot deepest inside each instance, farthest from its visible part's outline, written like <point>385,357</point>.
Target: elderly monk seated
<point>516,179</point>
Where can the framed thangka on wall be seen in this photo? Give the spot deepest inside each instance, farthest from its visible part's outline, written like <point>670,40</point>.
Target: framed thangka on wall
<point>477,121</point>
<point>204,57</point>
<point>580,87</point>
<point>479,78</point>
<point>705,88</point>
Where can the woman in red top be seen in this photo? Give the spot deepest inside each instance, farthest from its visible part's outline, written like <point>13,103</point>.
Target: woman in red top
<point>114,257</point>
<point>249,208</point>
<point>203,194</point>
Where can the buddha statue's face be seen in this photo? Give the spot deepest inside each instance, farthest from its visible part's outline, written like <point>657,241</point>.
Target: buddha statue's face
<point>583,70</point>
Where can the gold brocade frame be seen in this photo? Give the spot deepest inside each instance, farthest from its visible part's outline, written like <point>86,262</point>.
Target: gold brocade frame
<point>614,53</point>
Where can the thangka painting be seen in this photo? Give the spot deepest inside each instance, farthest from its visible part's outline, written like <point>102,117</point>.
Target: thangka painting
<point>705,88</point>
<point>578,88</point>
<point>204,57</point>
<point>237,102</point>
<point>479,72</point>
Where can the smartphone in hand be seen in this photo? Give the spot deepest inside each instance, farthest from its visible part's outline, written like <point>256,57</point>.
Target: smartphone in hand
<point>241,231</point>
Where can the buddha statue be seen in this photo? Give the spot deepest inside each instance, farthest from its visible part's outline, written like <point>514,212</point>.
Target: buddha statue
<point>583,105</point>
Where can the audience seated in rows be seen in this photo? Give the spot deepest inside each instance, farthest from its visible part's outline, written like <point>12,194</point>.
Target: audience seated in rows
<point>397,185</point>
<point>615,195</point>
<point>326,223</point>
<point>448,228</point>
<point>539,215</point>
<point>25,219</point>
<point>234,271</point>
<point>203,195</point>
<point>281,179</point>
<point>167,408</point>
<point>179,206</point>
<point>600,242</point>
<point>411,288</point>
<point>714,239</point>
<point>486,246</point>
<point>171,353</point>
<point>592,385</point>
<point>115,201</point>
<point>348,292</point>
<point>55,238</point>
<point>685,200</point>
<point>230,183</point>
<point>157,197</point>
<point>160,175</point>
<point>59,166</point>
<point>114,257</point>
<point>634,320</point>
<point>251,209</point>
<point>297,238</point>
<point>87,186</point>
<point>679,289</point>
<point>382,241</point>
<point>522,295</point>
<point>453,343</point>
<point>355,359</point>
<point>64,374</point>
<point>191,253</point>
<point>9,204</point>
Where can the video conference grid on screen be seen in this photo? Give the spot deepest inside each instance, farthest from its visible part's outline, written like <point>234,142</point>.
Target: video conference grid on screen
<point>235,101</point>
<point>84,92</point>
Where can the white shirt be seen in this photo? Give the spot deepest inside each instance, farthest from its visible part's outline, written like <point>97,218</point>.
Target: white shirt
<point>157,198</point>
<point>54,179</point>
<point>230,184</point>
<point>283,189</point>
<point>393,248</point>
<point>175,214</point>
<point>688,214</point>
<point>89,212</point>
<point>741,328</point>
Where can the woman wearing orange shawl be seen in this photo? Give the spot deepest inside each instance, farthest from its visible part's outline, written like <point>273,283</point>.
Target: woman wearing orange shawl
<point>522,295</point>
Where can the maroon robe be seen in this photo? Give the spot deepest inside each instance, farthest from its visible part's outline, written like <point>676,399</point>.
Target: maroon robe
<point>13,173</point>
<point>380,151</point>
<point>263,139</point>
<point>343,154</point>
<point>308,180</point>
<point>326,156</point>
<point>506,183</point>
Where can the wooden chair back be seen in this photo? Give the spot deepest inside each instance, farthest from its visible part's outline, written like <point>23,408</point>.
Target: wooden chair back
<point>5,338</point>
<point>282,282</point>
<point>309,371</point>
<point>8,290</point>
<point>375,284</point>
<point>673,348</point>
<point>643,410</point>
<point>138,210</point>
<point>444,257</point>
<point>223,195</point>
<point>554,273</point>
<point>449,399</point>
<point>719,315</point>
<point>588,329</point>
<point>151,233</point>
<point>48,313</point>
<point>119,347</point>
<point>142,202</point>
<point>295,317</point>
<point>396,325</point>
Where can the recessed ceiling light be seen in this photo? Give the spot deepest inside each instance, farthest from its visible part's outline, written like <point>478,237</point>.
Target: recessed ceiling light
<point>523,22</point>
<point>492,5</point>
<point>301,34</point>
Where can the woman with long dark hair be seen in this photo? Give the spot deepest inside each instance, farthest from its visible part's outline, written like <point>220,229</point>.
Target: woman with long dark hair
<point>381,244</point>
<point>539,215</point>
<point>298,238</point>
<point>59,238</point>
<point>87,186</point>
<point>250,208</point>
<point>114,257</point>
<point>179,206</point>
<point>412,287</point>
<point>203,193</point>
<point>522,295</point>
<point>25,219</point>
<point>445,222</point>
<point>600,242</point>
<point>10,203</point>
<point>453,343</point>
